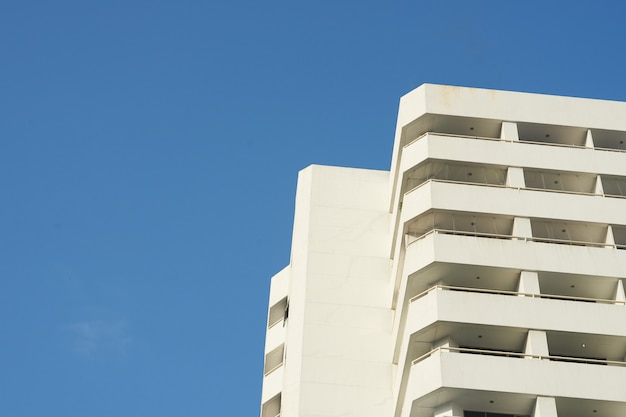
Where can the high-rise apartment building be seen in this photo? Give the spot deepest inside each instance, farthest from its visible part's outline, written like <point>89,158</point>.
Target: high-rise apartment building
<point>482,276</point>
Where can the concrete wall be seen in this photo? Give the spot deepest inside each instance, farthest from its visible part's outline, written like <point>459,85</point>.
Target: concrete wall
<point>339,326</point>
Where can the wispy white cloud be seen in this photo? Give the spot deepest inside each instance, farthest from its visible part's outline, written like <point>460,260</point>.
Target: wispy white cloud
<point>95,337</point>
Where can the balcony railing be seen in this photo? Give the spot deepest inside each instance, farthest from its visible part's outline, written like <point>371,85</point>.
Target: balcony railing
<point>484,184</point>
<point>517,355</point>
<point>514,293</point>
<point>562,145</point>
<point>415,238</point>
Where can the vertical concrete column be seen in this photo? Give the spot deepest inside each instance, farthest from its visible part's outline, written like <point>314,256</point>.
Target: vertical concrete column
<point>440,282</point>
<point>599,188</point>
<point>536,343</point>
<point>509,131</point>
<point>528,283</point>
<point>609,240</point>
<point>620,295</point>
<point>589,140</point>
<point>445,342</point>
<point>545,407</point>
<point>522,227</point>
<point>449,409</point>
<point>515,177</point>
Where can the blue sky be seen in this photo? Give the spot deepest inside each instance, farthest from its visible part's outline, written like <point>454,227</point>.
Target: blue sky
<point>149,153</point>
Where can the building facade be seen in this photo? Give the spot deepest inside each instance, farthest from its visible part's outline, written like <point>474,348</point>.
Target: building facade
<point>482,276</point>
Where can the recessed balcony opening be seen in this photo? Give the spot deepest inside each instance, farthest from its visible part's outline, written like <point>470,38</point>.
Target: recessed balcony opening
<point>614,186</point>
<point>551,134</point>
<point>619,235</point>
<point>578,407</point>
<point>452,125</point>
<point>560,181</point>
<point>278,312</point>
<point>456,223</point>
<point>578,287</point>
<point>587,348</point>
<point>609,139</point>
<point>495,403</point>
<point>569,233</point>
<point>471,339</point>
<point>274,359</point>
<point>497,281</point>
<point>455,172</point>
<point>466,126</point>
<point>462,276</point>
<point>467,339</point>
<point>271,408</point>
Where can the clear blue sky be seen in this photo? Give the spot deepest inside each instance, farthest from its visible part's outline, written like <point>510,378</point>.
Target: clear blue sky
<point>149,152</point>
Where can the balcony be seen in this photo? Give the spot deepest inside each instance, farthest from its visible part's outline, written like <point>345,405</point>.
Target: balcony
<point>499,202</point>
<point>496,176</point>
<point>513,309</point>
<point>580,330</point>
<point>413,237</point>
<point>619,235</point>
<point>614,186</point>
<point>552,134</point>
<point>494,155</point>
<point>501,152</point>
<point>565,182</point>
<point>452,125</point>
<point>509,252</point>
<point>609,140</point>
<point>473,376</point>
<point>455,172</point>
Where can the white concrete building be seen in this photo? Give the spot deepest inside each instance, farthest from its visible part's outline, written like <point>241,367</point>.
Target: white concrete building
<point>483,276</point>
